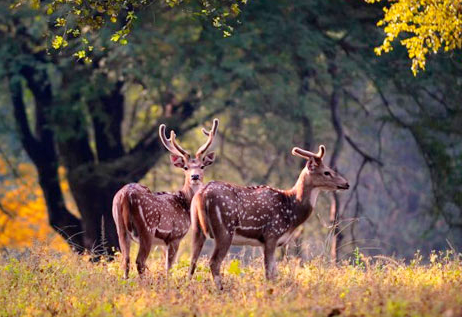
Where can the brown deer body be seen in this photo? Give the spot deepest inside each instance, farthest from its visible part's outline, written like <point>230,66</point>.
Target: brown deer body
<point>258,215</point>
<point>160,218</point>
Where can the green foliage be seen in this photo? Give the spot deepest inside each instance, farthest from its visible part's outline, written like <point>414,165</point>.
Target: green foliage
<point>78,20</point>
<point>358,258</point>
<point>271,83</point>
<point>234,267</point>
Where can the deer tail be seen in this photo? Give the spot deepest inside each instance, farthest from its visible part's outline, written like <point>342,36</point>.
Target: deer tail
<point>198,212</point>
<point>121,213</point>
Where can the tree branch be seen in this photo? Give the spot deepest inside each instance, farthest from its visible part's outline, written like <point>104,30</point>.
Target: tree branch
<point>29,142</point>
<point>107,113</point>
<point>366,156</point>
<point>41,150</point>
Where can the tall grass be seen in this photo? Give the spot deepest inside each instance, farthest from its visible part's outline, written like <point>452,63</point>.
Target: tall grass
<point>44,283</point>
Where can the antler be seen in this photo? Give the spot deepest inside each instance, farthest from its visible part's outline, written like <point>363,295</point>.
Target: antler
<point>178,147</point>
<point>211,135</point>
<point>307,154</point>
<point>170,144</point>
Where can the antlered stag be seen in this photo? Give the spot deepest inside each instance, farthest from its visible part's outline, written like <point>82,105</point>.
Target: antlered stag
<point>160,218</point>
<point>258,215</point>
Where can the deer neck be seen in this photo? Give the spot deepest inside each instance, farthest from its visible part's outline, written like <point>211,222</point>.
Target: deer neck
<point>305,193</point>
<point>189,190</point>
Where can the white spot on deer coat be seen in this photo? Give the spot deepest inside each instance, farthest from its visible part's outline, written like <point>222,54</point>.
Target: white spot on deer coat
<point>219,215</point>
<point>142,215</point>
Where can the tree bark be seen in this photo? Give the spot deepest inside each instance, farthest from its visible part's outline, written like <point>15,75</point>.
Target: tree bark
<point>40,149</point>
<point>107,113</point>
<point>61,136</point>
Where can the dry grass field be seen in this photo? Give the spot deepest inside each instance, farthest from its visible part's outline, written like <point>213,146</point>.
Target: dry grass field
<point>41,282</point>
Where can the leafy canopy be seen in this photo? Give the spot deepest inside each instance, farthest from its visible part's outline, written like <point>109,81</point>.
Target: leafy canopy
<point>427,26</point>
<point>77,19</point>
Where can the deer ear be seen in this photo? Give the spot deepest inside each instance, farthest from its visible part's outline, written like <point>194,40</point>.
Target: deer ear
<point>312,163</point>
<point>209,159</point>
<point>177,160</point>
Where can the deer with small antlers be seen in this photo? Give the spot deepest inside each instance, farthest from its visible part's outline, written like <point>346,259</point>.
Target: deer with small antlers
<point>160,218</point>
<point>258,215</point>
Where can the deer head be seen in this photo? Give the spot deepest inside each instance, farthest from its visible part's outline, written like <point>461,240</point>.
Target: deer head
<point>193,167</point>
<point>320,175</point>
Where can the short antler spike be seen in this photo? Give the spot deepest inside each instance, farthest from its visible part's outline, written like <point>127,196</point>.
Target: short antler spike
<point>307,154</point>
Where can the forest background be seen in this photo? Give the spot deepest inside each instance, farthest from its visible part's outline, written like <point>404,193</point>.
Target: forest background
<point>76,125</point>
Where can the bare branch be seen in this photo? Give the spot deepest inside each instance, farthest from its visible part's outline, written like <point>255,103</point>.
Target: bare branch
<point>5,211</point>
<point>356,99</point>
<point>366,156</point>
<point>386,103</point>
<point>8,162</point>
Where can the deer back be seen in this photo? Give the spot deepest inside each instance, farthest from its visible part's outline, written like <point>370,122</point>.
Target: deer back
<point>257,213</point>
<point>161,215</point>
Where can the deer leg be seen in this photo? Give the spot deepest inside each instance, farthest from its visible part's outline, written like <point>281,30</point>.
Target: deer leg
<point>198,240</point>
<point>172,250</point>
<point>222,244</point>
<point>143,253</point>
<point>270,262</point>
<point>124,242</point>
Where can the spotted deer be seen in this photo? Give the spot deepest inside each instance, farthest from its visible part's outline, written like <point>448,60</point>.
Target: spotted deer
<point>258,215</point>
<point>160,218</point>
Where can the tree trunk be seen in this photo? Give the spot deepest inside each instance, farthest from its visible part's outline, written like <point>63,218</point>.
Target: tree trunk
<point>60,219</point>
<point>94,200</point>
<point>40,148</point>
<point>95,174</point>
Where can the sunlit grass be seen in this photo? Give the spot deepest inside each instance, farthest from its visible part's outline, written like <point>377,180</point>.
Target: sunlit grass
<point>46,283</point>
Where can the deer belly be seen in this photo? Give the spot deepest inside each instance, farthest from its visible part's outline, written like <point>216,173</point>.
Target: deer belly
<point>158,236</point>
<point>157,241</point>
<point>241,240</point>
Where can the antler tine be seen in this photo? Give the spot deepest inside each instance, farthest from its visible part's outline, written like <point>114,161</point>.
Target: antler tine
<point>205,132</point>
<point>321,151</point>
<point>177,146</point>
<point>307,154</point>
<point>168,143</point>
<point>211,135</point>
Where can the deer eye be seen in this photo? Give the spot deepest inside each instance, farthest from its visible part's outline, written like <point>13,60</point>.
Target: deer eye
<point>327,173</point>
<point>202,167</point>
<point>185,168</point>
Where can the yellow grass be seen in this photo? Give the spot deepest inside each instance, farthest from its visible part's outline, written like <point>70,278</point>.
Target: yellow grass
<point>45,283</point>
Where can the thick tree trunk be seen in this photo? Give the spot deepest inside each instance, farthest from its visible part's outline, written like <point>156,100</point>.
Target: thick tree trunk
<point>40,148</point>
<point>107,113</point>
<point>94,175</point>
<point>94,200</point>
<point>60,219</point>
